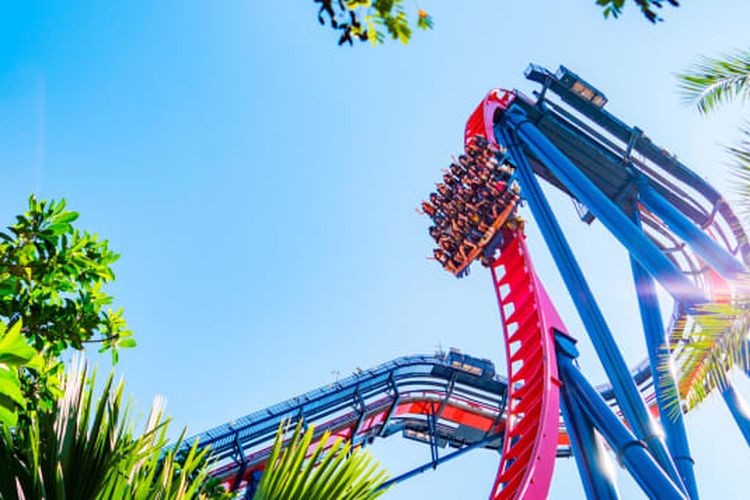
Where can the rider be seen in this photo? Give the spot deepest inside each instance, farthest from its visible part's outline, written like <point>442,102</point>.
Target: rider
<point>427,208</point>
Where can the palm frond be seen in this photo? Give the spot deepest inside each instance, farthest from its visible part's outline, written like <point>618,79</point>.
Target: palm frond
<point>717,342</point>
<point>740,165</point>
<point>325,471</point>
<point>713,81</point>
<point>86,447</point>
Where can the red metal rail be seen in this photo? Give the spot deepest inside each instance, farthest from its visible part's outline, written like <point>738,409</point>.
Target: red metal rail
<point>456,410</point>
<point>532,421</point>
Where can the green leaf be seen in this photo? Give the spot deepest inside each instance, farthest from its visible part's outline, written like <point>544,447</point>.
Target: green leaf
<point>58,229</point>
<point>8,414</point>
<point>14,349</point>
<point>327,472</point>
<point>126,343</point>
<point>716,81</point>
<point>66,217</point>
<point>10,386</point>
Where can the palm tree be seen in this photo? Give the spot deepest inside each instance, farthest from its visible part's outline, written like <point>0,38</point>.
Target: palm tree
<point>298,470</point>
<point>718,342</point>
<point>86,447</point>
<point>713,81</point>
<point>719,339</point>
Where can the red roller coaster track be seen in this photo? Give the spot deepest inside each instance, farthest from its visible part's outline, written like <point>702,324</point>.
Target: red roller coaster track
<point>532,421</point>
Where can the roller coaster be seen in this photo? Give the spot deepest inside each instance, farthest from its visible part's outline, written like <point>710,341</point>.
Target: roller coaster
<point>680,234</point>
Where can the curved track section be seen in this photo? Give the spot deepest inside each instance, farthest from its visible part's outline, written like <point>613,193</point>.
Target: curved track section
<point>532,421</point>
<point>454,400</point>
<point>458,393</point>
<point>619,159</point>
<point>677,229</point>
<point>675,226</point>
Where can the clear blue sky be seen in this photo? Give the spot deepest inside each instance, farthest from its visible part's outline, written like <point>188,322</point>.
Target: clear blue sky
<point>260,183</point>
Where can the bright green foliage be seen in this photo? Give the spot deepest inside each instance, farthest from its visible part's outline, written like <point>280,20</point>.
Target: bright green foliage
<point>741,170</point>
<point>376,20</point>
<point>51,278</point>
<point>299,471</point>
<point>717,343</point>
<point>716,80</point>
<point>648,8</point>
<point>15,353</point>
<point>390,14</point>
<point>424,20</point>
<point>371,20</point>
<point>52,275</point>
<point>57,440</point>
<point>717,339</point>
<point>85,447</point>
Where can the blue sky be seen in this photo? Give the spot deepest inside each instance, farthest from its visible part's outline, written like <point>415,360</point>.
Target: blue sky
<point>260,183</point>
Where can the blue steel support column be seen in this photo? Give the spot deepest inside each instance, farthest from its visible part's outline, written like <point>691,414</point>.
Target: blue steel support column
<point>621,227</point>
<point>664,383</point>
<point>631,452</point>
<point>394,405</point>
<point>243,464</point>
<point>626,392</point>
<point>445,458</point>
<point>722,261</point>
<point>594,465</point>
<point>738,407</point>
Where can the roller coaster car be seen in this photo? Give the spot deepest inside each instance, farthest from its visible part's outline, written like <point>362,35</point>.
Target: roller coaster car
<point>576,85</point>
<point>510,199</point>
<point>486,179</point>
<point>482,368</point>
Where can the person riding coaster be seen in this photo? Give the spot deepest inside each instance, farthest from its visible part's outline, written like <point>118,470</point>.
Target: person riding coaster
<point>470,206</point>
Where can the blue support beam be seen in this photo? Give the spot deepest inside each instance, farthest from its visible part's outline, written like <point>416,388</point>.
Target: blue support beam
<point>720,259</point>
<point>628,397</point>
<point>362,409</point>
<point>631,237</point>
<point>432,431</point>
<point>631,452</point>
<point>394,405</point>
<point>739,409</point>
<point>448,393</point>
<point>243,464</point>
<point>664,383</point>
<point>594,465</point>
<point>441,460</point>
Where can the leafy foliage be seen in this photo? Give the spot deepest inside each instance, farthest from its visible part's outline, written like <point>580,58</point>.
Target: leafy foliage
<point>717,343</point>
<point>716,80</point>
<point>57,440</point>
<point>51,278</point>
<point>649,8</point>
<point>741,171</point>
<point>375,20</point>
<point>51,275</point>
<point>85,447</point>
<point>718,338</point>
<point>370,20</point>
<point>298,471</point>
<point>15,353</point>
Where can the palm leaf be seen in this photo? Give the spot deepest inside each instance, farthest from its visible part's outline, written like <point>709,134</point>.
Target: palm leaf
<point>716,80</point>
<point>324,471</point>
<point>741,171</point>
<point>86,447</point>
<point>715,342</point>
